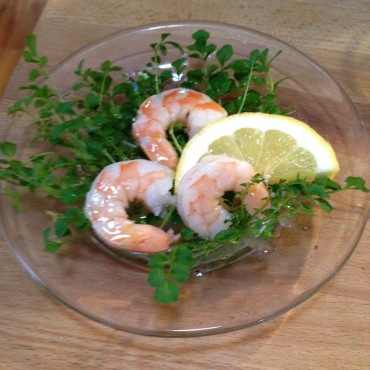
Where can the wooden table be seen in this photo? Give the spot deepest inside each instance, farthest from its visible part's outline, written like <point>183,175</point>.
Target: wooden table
<point>329,331</point>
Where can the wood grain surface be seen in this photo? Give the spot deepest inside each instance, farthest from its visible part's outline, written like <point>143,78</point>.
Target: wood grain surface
<point>330,331</point>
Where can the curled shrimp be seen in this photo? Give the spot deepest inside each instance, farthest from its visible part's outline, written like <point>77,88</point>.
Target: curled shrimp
<point>110,195</point>
<point>200,190</point>
<point>159,112</point>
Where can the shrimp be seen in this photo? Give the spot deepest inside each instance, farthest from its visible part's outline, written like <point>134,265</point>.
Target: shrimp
<point>108,199</point>
<point>200,190</point>
<point>159,112</point>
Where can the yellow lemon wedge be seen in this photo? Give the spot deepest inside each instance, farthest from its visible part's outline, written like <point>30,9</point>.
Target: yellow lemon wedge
<point>278,147</point>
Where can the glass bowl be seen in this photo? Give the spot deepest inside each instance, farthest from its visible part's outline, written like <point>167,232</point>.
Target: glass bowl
<point>114,291</point>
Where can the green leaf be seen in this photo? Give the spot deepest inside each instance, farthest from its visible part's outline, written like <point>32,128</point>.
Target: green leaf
<point>328,183</point>
<point>202,49</point>
<point>224,54</point>
<point>123,88</point>
<point>164,36</point>
<point>195,76</point>
<point>65,108</point>
<point>278,82</point>
<point>16,165</point>
<point>39,103</point>
<point>43,61</point>
<point>168,292</point>
<point>78,86</point>
<point>79,69</point>
<point>325,205</point>
<point>176,45</point>
<point>259,80</point>
<point>156,59</point>
<point>163,49</point>
<point>209,49</point>
<point>201,36</point>
<point>358,183</point>
<point>33,75</point>
<point>212,69</point>
<point>187,234</point>
<point>105,66</point>
<point>263,56</point>
<point>306,209</point>
<point>240,66</point>
<point>92,100</point>
<point>254,56</point>
<point>15,196</point>
<point>29,57</point>
<point>76,217</point>
<point>115,69</point>
<point>8,149</point>
<point>194,55</point>
<point>183,255</point>
<point>179,64</point>
<point>68,196</point>
<point>80,222</point>
<point>158,260</point>
<point>50,246</point>
<point>156,276</point>
<point>165,75</point>
<point>180,272</point>
<point>219,84</point>
<point>95,146</point>
<point>31,43</point>
<point>61,227</point>
<point>317,189</point>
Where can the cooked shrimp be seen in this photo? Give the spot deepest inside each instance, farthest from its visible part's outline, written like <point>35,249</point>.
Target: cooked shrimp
<point>159,112</point>
<point>200,190</point>
<point>108,199</point>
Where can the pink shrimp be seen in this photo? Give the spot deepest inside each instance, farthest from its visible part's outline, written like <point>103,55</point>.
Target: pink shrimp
<point>114,188</point>
<point>158,112</point>
<point>200,190</point>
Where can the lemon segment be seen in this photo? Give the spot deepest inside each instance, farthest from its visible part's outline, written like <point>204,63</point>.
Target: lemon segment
<point>278,147</point>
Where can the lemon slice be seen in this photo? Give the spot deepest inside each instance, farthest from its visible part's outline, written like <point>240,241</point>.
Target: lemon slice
<point>278,147</point>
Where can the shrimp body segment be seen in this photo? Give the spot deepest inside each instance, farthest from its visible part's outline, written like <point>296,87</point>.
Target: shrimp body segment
<point>200,190</point>
<point>159,112</point>
<point>110,195</point>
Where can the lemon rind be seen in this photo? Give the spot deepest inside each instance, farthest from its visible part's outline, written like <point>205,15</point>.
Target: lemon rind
<point>313,142</point>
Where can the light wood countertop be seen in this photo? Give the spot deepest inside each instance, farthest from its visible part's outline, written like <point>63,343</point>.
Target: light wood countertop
<point>329,331</point>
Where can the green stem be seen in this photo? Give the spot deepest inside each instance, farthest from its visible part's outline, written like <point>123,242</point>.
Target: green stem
<point>246,89</point>
<point>174,139</point>
<point>271,83</point>
<point>106,153</point>
<point>102,90</point>
<point>205,72</point>
<point>31,159</point>
<point>155,66</point>
<point>129,144</point>
<point>168,217</point>
<point>47,77</point>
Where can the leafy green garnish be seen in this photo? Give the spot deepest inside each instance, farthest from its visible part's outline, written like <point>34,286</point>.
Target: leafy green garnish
<point>168,269</point>
<point>287,200</point>
<point>160,49</point>
<point>89,127</point>
<point>229,81</point>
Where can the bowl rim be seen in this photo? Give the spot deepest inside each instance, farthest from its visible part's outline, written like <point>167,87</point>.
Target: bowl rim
<point>176,333</point>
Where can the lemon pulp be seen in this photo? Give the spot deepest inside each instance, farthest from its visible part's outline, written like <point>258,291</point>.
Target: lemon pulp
<point>278,147</point>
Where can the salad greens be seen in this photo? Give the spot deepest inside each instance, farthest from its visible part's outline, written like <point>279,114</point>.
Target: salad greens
<point>90,128</point>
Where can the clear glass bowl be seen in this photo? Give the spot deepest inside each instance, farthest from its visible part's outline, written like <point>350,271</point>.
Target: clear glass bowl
<point>259,287</point>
